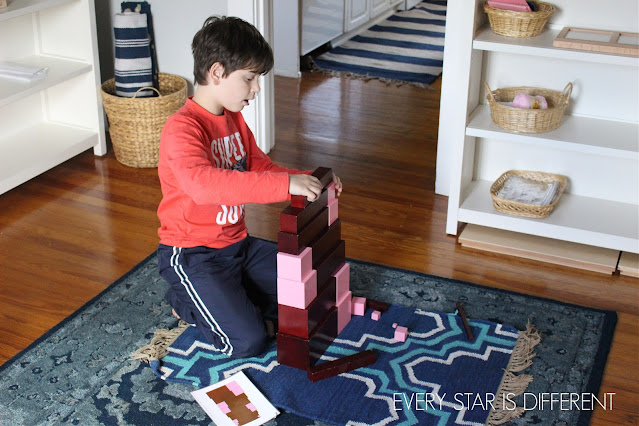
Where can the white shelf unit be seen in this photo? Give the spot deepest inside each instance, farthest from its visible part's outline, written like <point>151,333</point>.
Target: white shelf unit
<point>48,121</point>
<point>597,145</point>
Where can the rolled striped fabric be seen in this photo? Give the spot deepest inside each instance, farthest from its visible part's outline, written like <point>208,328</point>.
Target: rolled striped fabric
<point>133,68</point>
<point>145,7</point>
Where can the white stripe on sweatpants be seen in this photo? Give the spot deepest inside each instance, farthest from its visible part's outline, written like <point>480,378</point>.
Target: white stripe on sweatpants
<point>195,298</point>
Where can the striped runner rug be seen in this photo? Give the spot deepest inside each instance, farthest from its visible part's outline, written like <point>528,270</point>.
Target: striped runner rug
<point>408,47</point>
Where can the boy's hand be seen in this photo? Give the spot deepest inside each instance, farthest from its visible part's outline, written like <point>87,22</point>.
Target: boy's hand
<point>306,185</point>
<point>338,185</point>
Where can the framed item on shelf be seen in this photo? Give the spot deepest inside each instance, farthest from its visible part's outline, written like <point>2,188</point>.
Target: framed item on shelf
<point>619,43</point>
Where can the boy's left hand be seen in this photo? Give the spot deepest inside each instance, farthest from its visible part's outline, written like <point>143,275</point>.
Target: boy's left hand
<point>338,185</point>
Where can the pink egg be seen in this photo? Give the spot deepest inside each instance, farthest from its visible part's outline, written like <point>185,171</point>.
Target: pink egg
<point>542,102</point>
<point>522,100</point>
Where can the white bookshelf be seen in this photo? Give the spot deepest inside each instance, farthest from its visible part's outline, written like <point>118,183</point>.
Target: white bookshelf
<point>48,121</point>
<point>580,134</point>
<point>596,147</point>
<point>580,219</point>
<point>542,46</point>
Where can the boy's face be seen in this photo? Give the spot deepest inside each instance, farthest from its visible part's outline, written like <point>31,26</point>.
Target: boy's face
<point>236,89</point>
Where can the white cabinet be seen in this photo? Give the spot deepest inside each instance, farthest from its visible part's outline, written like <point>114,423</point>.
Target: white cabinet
<point>322,21</point>
<point>357,12</point>
<point>409,4</point>
<point>48,121</point>
<point>597,146</point>
<point>378,6</point>
<point>362,12</point>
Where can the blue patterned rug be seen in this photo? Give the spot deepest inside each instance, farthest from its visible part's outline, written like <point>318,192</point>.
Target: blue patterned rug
<point>80,372</point>
<point>406,47</point>
<point>436,377</point>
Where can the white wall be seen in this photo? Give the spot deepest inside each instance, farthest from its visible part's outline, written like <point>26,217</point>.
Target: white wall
<point>174,26</point>
<point>286,43</point>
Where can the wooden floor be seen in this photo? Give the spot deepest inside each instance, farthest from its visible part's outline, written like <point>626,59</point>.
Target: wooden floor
<point>69,233</point>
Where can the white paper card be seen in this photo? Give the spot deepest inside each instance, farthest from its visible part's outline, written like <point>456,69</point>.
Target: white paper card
<point>233,411</point>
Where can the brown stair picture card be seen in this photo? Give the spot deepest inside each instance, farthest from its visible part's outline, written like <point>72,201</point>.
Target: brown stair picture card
<point>235,401</point>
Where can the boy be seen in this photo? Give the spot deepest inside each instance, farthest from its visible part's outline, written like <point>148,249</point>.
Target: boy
<point>209,167</point>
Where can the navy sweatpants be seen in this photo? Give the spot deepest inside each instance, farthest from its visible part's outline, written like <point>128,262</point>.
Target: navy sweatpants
<point>218,289</point>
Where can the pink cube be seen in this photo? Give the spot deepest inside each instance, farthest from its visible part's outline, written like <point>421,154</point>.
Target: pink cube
<point>375,316</point>
<point>294,267</point>
<point>342,280</point>
<point>332,211</point>
<point>298,294</point>
<point>344,311</point>
<point>358,306</point>
<point>331,191</point>
<point>401,333</point>
<point>394,325</point>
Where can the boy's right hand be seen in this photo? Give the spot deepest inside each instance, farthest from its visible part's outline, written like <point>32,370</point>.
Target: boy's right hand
<point>306,185</point>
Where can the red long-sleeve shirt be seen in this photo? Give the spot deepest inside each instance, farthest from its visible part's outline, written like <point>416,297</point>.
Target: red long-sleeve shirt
<point>209,167</point>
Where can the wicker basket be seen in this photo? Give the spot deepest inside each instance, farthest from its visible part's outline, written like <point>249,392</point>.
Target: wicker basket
<point>519,24</point>
<point>527,120</point>
<point>522,209</point>
<point>135,124</point>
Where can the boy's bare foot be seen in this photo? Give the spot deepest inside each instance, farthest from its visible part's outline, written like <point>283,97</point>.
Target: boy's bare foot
<point>175,314</point>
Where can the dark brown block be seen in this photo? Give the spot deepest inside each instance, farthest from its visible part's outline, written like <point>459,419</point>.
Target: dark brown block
<point>302,322</point>
<point>324,174</point>
<point>294,219</point>
<point>462,313</point>
<point>301,353</point>
<point>330,265</point>
<point>295,243</point>
<point>299,201</point>
<point>326,243</point>
<point>341,365</point>
<point>293,351</point>
<point>377,305</point>
<point>324,335</point>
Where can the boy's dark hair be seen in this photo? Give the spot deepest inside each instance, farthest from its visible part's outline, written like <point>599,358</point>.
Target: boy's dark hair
<point>232,42</point>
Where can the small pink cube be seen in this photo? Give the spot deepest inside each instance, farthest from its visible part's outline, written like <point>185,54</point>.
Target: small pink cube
<point>376,315</point>
<point>358,306</point>
<point>394,325</point>
<point>401,333</point>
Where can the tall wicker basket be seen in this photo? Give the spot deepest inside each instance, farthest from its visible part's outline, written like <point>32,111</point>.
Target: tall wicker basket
<point>135,124</point>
